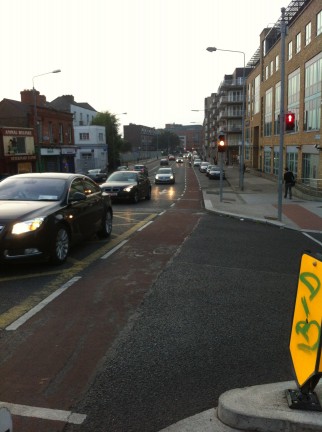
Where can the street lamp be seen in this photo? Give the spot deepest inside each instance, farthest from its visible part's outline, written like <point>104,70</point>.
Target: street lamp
<point>36,132</point>
<point>241,160</point>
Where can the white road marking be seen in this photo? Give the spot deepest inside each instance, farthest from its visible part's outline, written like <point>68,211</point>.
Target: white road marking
<point>109,253</point>
<point>144,226</point>
<point>312,238</point>
<point>44,413</point>
<point>42,304</point>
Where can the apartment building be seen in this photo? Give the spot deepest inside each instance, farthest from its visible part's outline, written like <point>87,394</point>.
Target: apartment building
<point>302,148</point>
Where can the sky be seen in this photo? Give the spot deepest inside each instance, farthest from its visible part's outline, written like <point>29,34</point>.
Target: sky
<point>147,58</point>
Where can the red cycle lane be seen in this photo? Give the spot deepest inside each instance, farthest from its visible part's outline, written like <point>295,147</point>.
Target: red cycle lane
<point>50,361</point>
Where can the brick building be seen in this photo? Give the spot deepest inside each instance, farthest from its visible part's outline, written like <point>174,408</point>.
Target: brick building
<point>302,96</point>
<point>54,138</point>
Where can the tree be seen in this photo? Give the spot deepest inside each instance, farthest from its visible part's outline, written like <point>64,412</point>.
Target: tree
<point>113,138</point>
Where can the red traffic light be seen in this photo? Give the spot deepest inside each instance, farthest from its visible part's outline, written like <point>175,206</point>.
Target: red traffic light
<point>289,122</point>
<point>221,143</point>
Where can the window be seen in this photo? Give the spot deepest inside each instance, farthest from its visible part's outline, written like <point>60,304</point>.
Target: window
<point>277,63</point>
<point>277,109</point>
<point>272,67</point>
<point>83,136</point>
<point>298,43</point>
<point>319,23</point>
<point>312,97</point>
<point>257,94</point>
<point>100,136</point>
<point>267,161</point>
<point>61,135</point>
<point>276,162</point>
<point>290,50</point>
<point>266,73</point>
<point>308,29</point>
<point>50,132</point>
<point>293,95</point>
<point>292,161</point>
<point>268,113</point>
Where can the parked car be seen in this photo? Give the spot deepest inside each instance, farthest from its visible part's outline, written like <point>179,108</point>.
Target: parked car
<point>203,166</point>
<point>164,162</point>
<point>122,168</point>
<point>209,168</point>
<point>164,176</point>
<point>97,174</point>
<point>214,172</point>
<point>196,162</point>
<point>141,168</point>
<point>42,214</point>
<point>129,184</point>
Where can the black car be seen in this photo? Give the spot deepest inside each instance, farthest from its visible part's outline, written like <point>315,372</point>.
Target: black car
<point>164,162</point>
<point>141,168</point>
<point>42,214</point>
<point>130,185</point>
<point>97,174</point>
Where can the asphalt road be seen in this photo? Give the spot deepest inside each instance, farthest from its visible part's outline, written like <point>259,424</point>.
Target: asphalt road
<point>217,317</point>
<point>191,305</point>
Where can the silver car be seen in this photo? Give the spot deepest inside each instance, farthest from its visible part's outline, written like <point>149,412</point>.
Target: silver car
<point>164,176</point>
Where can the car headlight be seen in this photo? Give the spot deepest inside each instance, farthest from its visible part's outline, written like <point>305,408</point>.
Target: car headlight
<point>27,226</point>
<point>128,188</point>
<point>171,177</point>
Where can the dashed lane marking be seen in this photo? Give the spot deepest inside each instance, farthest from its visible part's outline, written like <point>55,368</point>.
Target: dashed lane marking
<point>22,308</point>
<point>44,413</point>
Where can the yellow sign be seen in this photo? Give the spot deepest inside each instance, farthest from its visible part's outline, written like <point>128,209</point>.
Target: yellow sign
<point>305,340</point>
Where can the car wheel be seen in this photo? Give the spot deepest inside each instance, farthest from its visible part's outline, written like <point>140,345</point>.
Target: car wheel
<point>107,225</point>
<point>136,197</point>
<point>61,244</point>
<point>148,196</point>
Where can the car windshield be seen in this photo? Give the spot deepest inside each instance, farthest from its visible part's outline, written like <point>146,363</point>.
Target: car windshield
<point>32,189</point>
<point>123,177</point>
<point>165,171</point>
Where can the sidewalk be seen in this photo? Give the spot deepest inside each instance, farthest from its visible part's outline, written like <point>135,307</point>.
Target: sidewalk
<point>259,201</point>
<point>264,407</point>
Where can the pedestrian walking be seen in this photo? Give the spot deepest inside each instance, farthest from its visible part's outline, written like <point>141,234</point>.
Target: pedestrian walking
<point>289,182</point>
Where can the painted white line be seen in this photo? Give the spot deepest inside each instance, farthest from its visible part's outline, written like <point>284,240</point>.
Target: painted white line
<point>42,304</point>
<point>109,253</point>
<point>173,204</point>
<point>312,238</point>
<point>144,226</point>
<point>44,413</point>
<point>162,213</point>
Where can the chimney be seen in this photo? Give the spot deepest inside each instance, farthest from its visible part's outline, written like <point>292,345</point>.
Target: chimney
<point>27,97</point>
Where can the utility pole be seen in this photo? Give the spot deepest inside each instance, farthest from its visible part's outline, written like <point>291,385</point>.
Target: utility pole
<point>280,159</point>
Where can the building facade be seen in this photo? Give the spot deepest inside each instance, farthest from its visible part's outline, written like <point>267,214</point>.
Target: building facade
<point>52,130</point>
<point>92,150</point>
<point>142,138</point>
<point>191,136</point>
<point>302,96</point>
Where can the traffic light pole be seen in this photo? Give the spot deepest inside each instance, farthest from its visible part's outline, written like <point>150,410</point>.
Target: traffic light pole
<point>282,119</point>
<point>221,175</point>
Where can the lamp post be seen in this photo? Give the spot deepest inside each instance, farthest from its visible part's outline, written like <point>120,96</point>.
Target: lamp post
<point>241,159</point>
<point>36,132</point>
